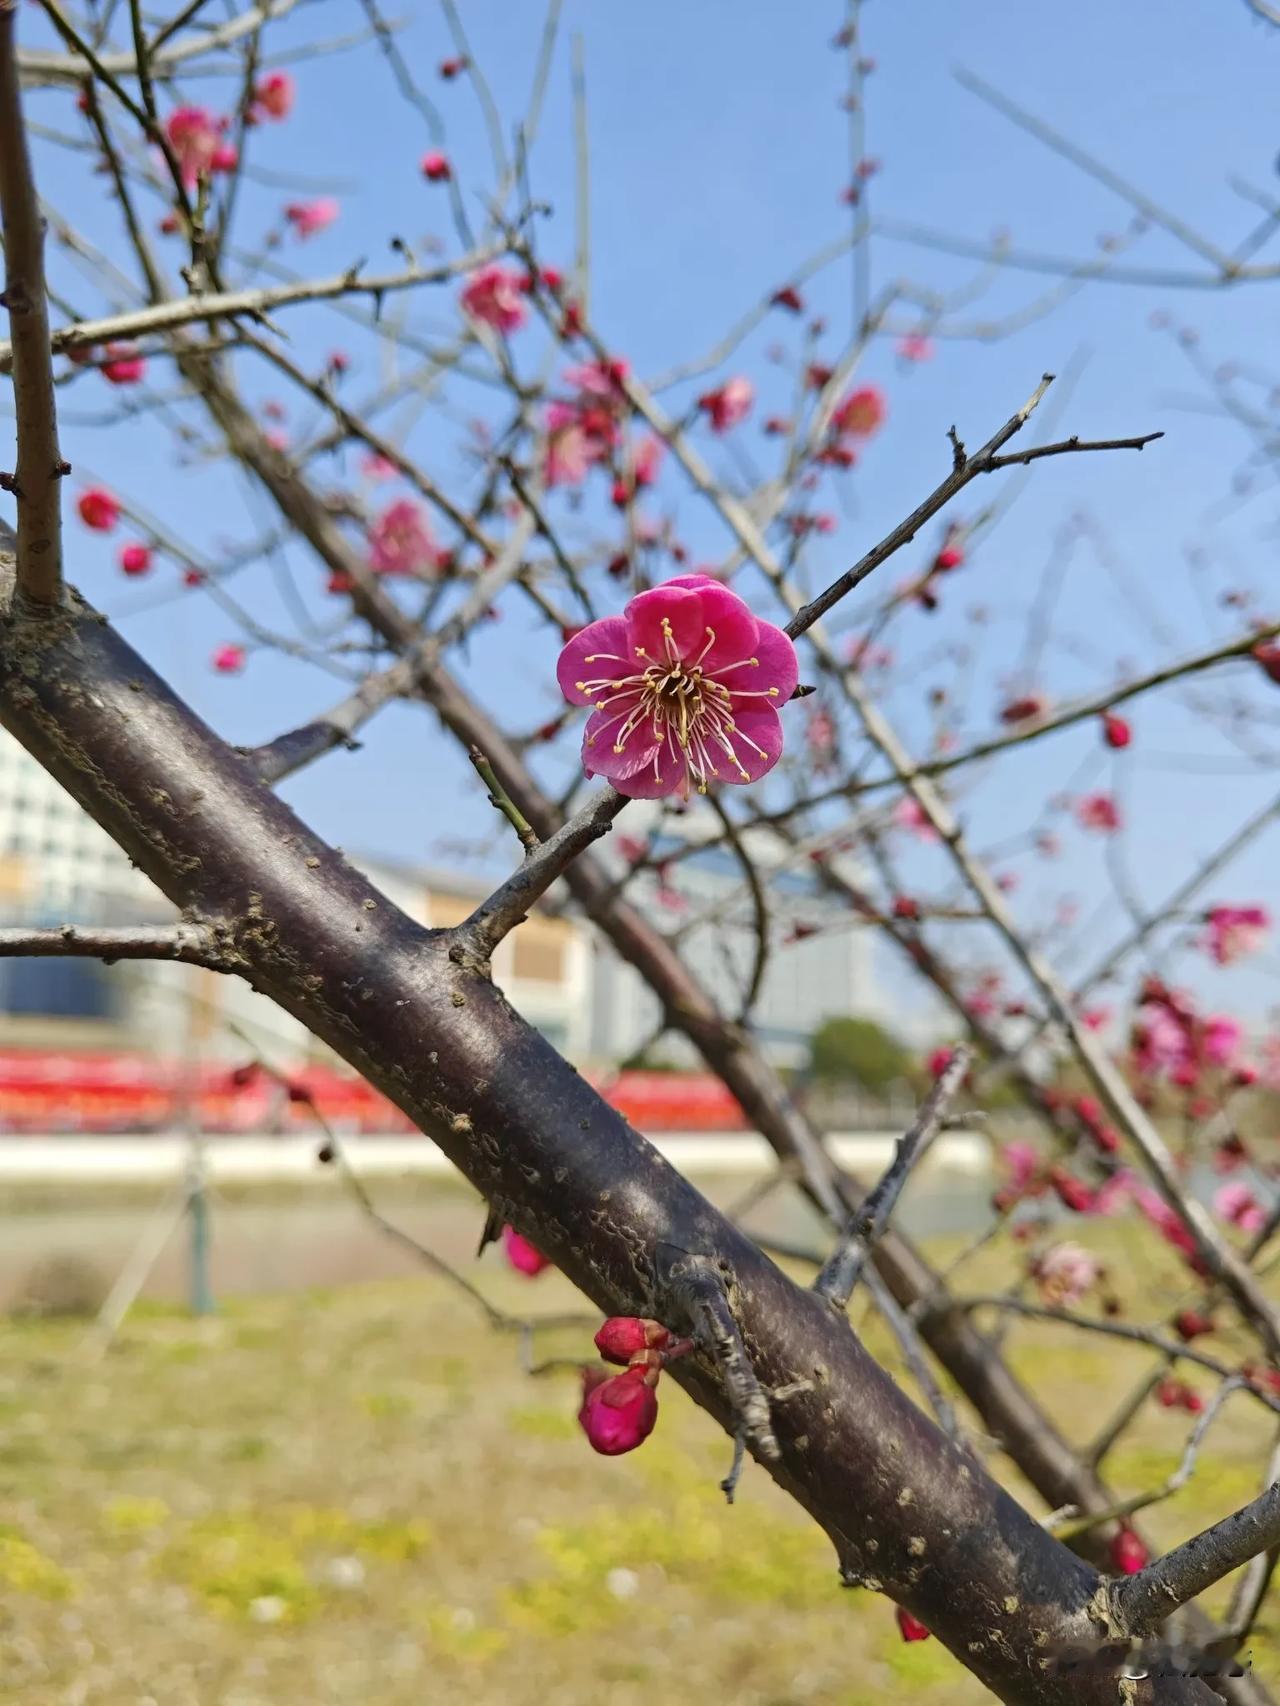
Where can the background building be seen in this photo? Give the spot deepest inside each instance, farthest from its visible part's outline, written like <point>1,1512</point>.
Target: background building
<point>57,866</point>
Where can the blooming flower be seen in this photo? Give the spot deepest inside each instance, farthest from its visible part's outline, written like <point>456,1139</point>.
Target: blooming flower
<point>619,1410</point>
<point>1098,811</point>
<point>98,509</point>
<point>1064,1274</point>
<point>910,814</point>
<point>728,403</point>
<point>492,296</point>
<point>135,559</point>
<point>915,346</point>
<point>400,541</point>
<point>194,136</point>
<point>274,95</point>
<point>229,660</point>
<point>436,168</point>
<point>522,1255</point>
<point>861,413</point>
<point>1236,1203</point>
<point>123,366</point>
<point>309,217</point>
<point>1234,931</point>
<point>684,688</point>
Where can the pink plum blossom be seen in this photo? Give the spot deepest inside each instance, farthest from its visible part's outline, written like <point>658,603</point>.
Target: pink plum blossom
<point>1098,811</point>
<point>728,403</point>
<point>684,689</point>
<point>310,217</point>
<point>1234,931</point>
<point>1065,1273</point>
<point>400,541</point>
<point>1237,1204</point>
<point>861,413</point>
<point>274,95</point>
<point>915,346</point>
<point>1221,1040</point>
<point>194,135</point>
<point>910,814</point>
<point>492,296</point>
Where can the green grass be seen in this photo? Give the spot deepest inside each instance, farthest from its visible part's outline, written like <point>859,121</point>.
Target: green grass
<point>359,1497</point>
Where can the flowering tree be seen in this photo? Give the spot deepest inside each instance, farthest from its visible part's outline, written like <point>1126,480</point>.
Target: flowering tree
<point>740,679</point>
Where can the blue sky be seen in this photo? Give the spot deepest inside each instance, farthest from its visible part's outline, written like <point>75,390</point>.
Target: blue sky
<point>718,154</point>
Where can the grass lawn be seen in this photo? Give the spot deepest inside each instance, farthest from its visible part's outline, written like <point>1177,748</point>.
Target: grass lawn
<point>358,1496</point>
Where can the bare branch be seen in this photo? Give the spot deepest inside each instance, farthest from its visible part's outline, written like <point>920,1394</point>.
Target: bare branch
<point>1141,1602</point>
<point>217,305</point>
<point>844,1266</point>
<point>194,944</point>
<point>545,861</point>
<point>36,481</point>
<point>964,469</point>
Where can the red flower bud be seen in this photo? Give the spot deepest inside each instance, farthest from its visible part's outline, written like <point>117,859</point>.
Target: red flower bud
<point>1128,1554</point>
<point>1190,1324</point>
<point>910,1627</point>
<point>1116,731</point>
<point>619,1411</point>
<point>522,1255</point>
<point>622,1336</point>
<point>1071,1192</point>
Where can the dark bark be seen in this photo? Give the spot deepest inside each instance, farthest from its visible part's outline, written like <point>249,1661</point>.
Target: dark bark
<point>419,1016</point>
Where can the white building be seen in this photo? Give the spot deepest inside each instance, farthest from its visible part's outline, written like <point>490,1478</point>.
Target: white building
<point>57,867</point>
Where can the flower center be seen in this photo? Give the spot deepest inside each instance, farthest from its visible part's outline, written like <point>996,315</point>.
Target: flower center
<point>679,707</point>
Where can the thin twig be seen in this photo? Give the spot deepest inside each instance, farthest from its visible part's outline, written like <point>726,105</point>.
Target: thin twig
<point>194,944</point>
<point>544,863</point>
<point>1141,1602</point>
<point>844,1266</point>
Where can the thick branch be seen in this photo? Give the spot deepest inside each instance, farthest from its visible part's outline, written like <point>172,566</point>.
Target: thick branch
<point>533,1137</point>
<point>37,478</point>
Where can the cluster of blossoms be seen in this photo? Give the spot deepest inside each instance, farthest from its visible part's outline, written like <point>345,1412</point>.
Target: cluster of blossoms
<point>1171,1040</point>
<point>1232,932</point>
<point>684,689</point>
<point>619,1410</point>
<point>198,141</point>
<point>584,431</point>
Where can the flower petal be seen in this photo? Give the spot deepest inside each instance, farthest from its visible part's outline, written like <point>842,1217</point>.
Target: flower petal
<point>666,773</point>
<point>600,740</point>
<point>757,742</point>
<point>779,665</point>
<point>681,607</point>
<point>598,651</point>
<point>735,628</point>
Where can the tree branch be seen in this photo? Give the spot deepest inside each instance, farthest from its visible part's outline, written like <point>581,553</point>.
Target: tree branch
<point>1141,1602</point>
<point>194,944</point>
<point>843,1269</point>
<point>36,481</point>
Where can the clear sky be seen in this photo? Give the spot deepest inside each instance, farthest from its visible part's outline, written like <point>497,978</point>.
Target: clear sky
<point>718,153</point>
